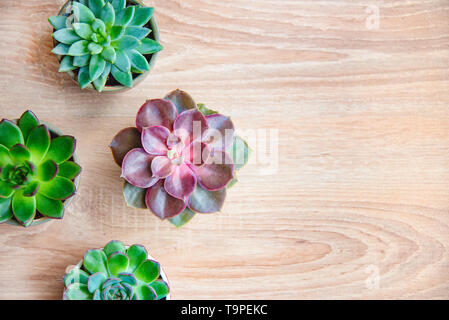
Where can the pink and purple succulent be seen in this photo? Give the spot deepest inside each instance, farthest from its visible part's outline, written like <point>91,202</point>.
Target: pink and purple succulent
<point>178,160</point>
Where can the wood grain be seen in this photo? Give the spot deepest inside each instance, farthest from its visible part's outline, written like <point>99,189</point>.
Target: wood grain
<point>363,173</point>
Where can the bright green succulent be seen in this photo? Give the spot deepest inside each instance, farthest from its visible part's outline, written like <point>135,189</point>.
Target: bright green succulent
<point>103,37</point>
<point>116,273</point>
<point>36,173</point>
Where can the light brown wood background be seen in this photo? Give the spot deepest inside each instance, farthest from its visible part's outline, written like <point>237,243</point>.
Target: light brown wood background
<point>363,149</point>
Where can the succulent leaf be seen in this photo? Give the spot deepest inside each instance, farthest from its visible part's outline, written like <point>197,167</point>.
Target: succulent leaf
<point>69,170</point>
<point>137,32</point>
<point>100,82</point>
<point>96,6</point>
<point>148,271</point>
<point>136,169</point>
<point>95,261</point>
<point>23,207</point>
<point>49,207</point>
<point>114,246</point>
<point>84,77</point>
<point>6,190</point>
<point>146,293</point>
<point>124,141</point>
<point>126,42</point>
<point>118,4</point>
<point>118,263</point>
<point>81,61</point>
<point>82,13</point>
<point>59,188</point>
<point>137,255</point>
<point>138,61</point>
<point>156,112</point>
<point>124,16</point>
<point>66,36</point>
<point>205,201</point>
<point>182,100</point>
<point>122,61</point>
<point>128,278</point>
<point>58,22</point>
<point>10,134</point>
<point>27,122</point>
<point>47,170</point>
<point>160,288</point>
<point>38,143</point>
<point>79,48</point>
<point>61,49</point>
<point>95,281</point>
<point>117,32</point>
<point>109,54</point>
<point>141,16</point>
<point>61,149</point>
<point>83,30</point>
<point>108,15</point>
<point>77,291</point>
<point>19,153</point>
<point>5,156</point>
<point>125,78</point>
<point>240,152</point>
<point>182,218</point>
<point>134,196</point>
<point>66,64</point>
<point>76,275</point>
<point>31,189</point>
<point>148,46</point>
<point>96,67</point>
<point>162,204</point>
<point>5,209</point>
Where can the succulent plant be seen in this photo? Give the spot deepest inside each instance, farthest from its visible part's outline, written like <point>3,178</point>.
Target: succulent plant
<point>179,159</point>
<point>116,273</point>
<point>36,173</point>
<point>103,37</point>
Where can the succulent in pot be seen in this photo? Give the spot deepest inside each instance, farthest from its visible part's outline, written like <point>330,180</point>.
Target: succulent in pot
<point>179,159</point>
<point>107,45</point>
<point>116,272</point>
<point>38,171</point>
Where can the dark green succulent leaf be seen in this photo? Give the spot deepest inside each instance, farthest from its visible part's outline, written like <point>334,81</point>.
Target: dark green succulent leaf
<point>66,36</point>
<point>122,61</point>
<point>205,201</point>
<point>149,46</point>
<point>146,292</point>
<point>58,22</point>
<point>59,188</point>
<point>160,288</point>
<point>141,16</point>
<point>82,13</point>
<point>134,196</point>
<point>66,64</point>
<point>6,170</point>
<point>23,208</point>
<point>83,77</point>
<point>96,6</point>
<point>61,149</point>
<point>95,281</point>
<point>47,170</point>
<point>10,134</point>
<point>206,111</point>
<point>19,153</point>
<point>77,291</point>
<point>27,122</point>
<point>69,170</point>
<point>79,48</point>
<point>138,61</point>
<point>81,61</point>
<point>182,218</point>
<point>5,156</point>
<point>117,32</point>
<point>148,271</point>
<point>118,263</point>
<point>118,5</point>
<point>125,78</point>
<point>99,27</point>
<point>38,143</point>
<point>83,30</point>
<point>128,278</point>
<point>137,32</point>
<point>182,100</point>
<point>123,17</point>
<point>108,15</point>
<point>6,190</point>
<point>61,49</point>
<point>109,54</point>
<point>30,190</point>
<point>84,2</point>
<point>137,255</point>
<point>240,153</point>
<point>49,207</point>
<point>96,261</point>
<point>101,81</point>
<point>76,275</point>
<point>5,209</point>
<point>96,67</point>
<point>114,246</point>
<point>126,43</point>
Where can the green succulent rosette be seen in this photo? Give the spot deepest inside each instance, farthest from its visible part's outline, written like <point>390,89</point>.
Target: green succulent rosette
<point>116,272</point>
<point>100,38</point>
<point>36,170</point>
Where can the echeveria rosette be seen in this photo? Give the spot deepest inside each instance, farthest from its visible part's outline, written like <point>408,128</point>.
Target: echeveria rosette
<point>172,170</point>
<point>36,173</point>
<point>103,37</point>
<point>116,273</point>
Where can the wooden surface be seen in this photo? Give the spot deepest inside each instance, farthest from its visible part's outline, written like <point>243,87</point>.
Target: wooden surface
<point>363,147</point>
